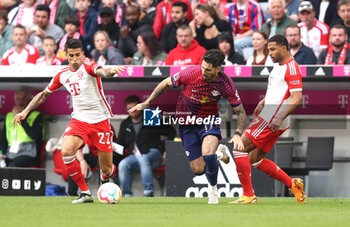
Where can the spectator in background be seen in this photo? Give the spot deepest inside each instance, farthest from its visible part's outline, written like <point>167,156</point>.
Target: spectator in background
<point>178,17</point>
<point>49,47</point>
<point>23,14</point>
<point>188,51</point>
<point>163,15</point>
<point>292,9</point>
<point>5,33</point>
<point>279,20</point>
<point>145,147</point>
<point>88,21</point>
<point>148,8</point>
<point>136,22</point>
<point>302,54</point>
<point>225,41</point>
<point>210,26</point>
<point>338,53</point>
<point>325,9</point>
<point>59,11</point>
<point>220,7</point>
<point>21,144</point>
<point>71,27</point>
<point>314,33</point>
<point>118,8</point>
<point>149,50</point>
<point>109,25</point>
<point>43,28</point>
<point>245,16</point>
<point>261,53</point>
<point>104,53</point>
<point>344,13</point>
<point>22,52</point>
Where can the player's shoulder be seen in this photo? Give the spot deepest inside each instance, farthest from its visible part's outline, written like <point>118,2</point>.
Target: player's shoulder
<point>9,52</point>
<point>88,62</point>
<point>31,49</point>
<point>192,70</point>
<point>293,68</point>
<point>63,70</point>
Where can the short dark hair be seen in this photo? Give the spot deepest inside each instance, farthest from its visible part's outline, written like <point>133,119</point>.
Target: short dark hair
<point>50,37</point>
<point>20,27</point>
<point>132,99</point>
<point>3,15</point>
<point>214,57</point>
<point>181,4</point>
<point>280,40</point>
<point>338,26</point>
<point>73,44</point>
<point>43,7</point>
<point>72,19</point>
<point>293,26</point>
<point>342,2</point>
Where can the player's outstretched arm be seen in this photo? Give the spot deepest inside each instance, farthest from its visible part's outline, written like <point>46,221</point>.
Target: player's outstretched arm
<point>109,72</point>
<point>241,121</point>
<point>36,101</point>
<point>296,100</point>
<point>160,89</point>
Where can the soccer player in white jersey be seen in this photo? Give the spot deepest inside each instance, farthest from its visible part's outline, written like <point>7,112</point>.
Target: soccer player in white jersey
<point>90,117</point>
<point>283,96</point>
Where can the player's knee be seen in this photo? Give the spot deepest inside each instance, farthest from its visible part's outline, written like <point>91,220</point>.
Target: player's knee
<point>67,152</point>
<point>198,171</point>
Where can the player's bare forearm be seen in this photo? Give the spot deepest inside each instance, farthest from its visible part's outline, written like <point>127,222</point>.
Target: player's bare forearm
<point>36,101</point>
<point>160,89</point>
<point>296,100</point>
<point>109,72</point>
<point>241,117</point>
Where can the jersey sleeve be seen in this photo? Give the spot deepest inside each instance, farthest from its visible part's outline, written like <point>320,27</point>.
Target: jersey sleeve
<point>230,92</point>
<point>293,77</point>
<point>54,83</point>
<point>91,67</point>
<point>182,77</point>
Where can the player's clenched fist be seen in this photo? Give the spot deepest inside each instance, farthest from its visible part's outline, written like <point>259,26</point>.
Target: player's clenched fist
<point>139,107</point>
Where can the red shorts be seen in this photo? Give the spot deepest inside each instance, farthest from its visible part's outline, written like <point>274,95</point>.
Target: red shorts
<point>98,135</point>
<point>261,135</point>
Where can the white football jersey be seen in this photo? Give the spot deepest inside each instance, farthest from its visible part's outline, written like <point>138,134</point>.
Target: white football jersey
<point>283,80</point>
<point>89,102</point>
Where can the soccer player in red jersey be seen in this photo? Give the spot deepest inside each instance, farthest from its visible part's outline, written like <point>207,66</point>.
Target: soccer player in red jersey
<point>90,117</point>
<point>283,96</point>
<point>203,86</point>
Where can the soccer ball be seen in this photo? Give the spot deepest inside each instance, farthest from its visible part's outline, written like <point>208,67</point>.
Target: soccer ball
<point>109,193</point>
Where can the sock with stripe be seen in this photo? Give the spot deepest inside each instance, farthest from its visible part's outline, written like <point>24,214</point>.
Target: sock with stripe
<point>104,177</point>
<point>244,171</point>
<point>211,168</point>
<point>272,170</point>
<point>74,171</point>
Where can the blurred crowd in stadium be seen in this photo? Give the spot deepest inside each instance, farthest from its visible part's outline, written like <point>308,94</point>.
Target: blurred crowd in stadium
<point>173,32</point>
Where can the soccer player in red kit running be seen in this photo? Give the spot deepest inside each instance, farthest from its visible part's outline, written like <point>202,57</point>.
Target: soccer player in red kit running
<point>283,96</point>
<point>90,117</point>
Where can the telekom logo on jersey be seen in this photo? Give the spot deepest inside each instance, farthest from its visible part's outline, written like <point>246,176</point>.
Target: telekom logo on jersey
<point>74,88</point>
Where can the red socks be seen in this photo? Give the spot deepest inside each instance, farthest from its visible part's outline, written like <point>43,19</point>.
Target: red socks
<point>244,172</point>
<point>104,177</point>
<point>271,169</point>
<point>74,171</point>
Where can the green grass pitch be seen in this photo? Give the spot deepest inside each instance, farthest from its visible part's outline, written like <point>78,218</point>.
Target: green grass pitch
<point>170,211</point>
